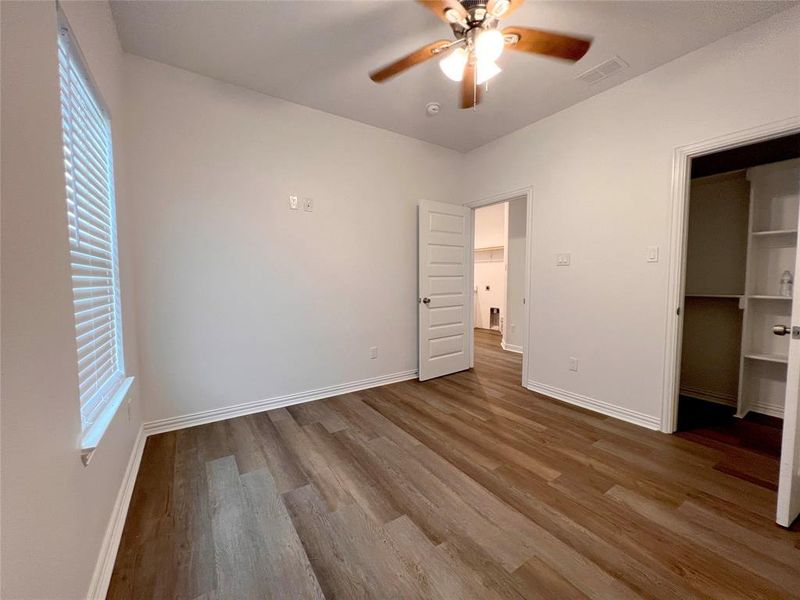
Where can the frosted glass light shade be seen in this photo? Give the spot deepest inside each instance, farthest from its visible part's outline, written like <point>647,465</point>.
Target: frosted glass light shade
<point>489,45</point>
<point>486,70</point>
<point>453,64</point>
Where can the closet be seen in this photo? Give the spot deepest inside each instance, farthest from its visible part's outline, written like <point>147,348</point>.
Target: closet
<point>740,261</point>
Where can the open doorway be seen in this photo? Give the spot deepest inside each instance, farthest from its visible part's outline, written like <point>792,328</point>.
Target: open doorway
<point>500,279</point>
<point>735,369</point>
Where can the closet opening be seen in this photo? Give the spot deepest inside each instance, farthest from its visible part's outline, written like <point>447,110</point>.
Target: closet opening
<point>739,275</point>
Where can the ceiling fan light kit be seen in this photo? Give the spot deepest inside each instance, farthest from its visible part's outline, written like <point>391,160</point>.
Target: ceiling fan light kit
<point>453,64</point>
<point>471,58</point>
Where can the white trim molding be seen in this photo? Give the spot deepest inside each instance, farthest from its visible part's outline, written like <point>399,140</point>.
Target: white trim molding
<point>511,347</point>
<point>681,174</point>
<point>247,408</point>
<point>767,408</point>
<point>600,406</point>
<point>708,395</point>
<point>101,578</point>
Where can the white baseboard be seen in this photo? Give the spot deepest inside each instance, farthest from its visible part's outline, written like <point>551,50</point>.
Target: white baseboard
<point>101,578</point>
<point>247,408</point>
<point>766,408</point>
<point>708,395</point>
<point>624,414</point>
<point>511,347</point>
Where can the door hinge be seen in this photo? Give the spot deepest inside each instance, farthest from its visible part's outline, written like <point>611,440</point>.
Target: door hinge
<point>678,311</point>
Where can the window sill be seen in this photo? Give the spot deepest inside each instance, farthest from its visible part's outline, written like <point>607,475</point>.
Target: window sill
<point>92,436</point>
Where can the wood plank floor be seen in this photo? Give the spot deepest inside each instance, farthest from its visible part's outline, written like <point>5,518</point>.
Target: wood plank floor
<point>467,486</point>
<point>751,446</point>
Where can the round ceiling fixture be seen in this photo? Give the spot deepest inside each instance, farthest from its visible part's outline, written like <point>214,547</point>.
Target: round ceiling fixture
<point>432,108</point>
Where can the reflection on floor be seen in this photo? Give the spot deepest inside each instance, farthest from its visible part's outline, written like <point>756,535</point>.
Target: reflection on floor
<point>751,446</point>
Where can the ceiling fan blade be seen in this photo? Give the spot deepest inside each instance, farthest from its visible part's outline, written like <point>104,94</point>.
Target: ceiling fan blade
<point>512,6</point>
<point>439,7</point>
<point>416,57</point>
<point>557,45</point>
<point>470,93</point>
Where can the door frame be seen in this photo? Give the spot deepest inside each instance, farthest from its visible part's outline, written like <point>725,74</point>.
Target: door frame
<point>678,236</point>
<point>527,193</point>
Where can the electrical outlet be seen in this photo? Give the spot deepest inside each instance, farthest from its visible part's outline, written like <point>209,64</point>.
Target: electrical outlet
<point>563,259</point>
<point>573,364</point>
<point>308,204</point>
<point>293,202</point>
<point>373,352</point>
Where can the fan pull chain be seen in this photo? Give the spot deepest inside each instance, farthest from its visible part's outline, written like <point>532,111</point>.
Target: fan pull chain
<point>474,93</point>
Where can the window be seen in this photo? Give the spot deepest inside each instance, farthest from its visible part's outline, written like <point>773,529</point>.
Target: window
<point>88,167</point>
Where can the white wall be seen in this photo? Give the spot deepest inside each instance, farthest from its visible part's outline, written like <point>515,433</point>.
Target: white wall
<point>490,226</point>
<point>54,510</point>
<point>489,266</point>
<point>240,298</point>
<point>601,176</point>
<point>515,273</point>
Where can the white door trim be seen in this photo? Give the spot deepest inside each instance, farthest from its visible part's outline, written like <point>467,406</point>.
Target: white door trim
<point>504,197</point>
<point>677,247</point>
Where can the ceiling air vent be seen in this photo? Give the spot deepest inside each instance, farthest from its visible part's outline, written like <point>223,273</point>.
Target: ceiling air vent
<point>603,70</point>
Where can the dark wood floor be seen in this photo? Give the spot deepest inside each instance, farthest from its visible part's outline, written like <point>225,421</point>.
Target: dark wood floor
<point>467,486</point>
<point>751,447</point>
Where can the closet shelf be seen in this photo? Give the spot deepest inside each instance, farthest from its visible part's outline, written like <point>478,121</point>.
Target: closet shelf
<point>489,248</point>
<point>775,358</point>
<point>767,297</point>
<point>730,296</point>
<point>770,232</point>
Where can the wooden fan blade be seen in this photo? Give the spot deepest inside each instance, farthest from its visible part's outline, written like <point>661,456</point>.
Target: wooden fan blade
<point>398,66</point>
<point>470,93</point>
<point>439,7</point>
<point>512,6</point>
<point>557,45</point>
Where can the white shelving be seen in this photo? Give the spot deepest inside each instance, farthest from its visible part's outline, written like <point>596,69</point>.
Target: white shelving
<point>716,296</point>
<point>776,358</point>
<point>772,249</point>
<point>773,232</point>
<point>487,254</point>
<point>742,236</point>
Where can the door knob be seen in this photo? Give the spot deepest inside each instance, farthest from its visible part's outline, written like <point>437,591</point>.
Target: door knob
<point>426,300</point>
<point>781,330</point>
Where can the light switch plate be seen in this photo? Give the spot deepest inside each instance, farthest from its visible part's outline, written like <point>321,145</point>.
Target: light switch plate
<point>293,202</point>
<point>563,259</point>
<point>573,364</point>
<point>308,204</point>
<point>652,254</point>
<point>373,352</point>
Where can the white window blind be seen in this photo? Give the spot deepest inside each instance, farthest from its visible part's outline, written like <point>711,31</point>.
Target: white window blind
<point>92,234</point>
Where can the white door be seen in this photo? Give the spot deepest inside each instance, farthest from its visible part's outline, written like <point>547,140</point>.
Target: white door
<point>444,288</point>
<point>789,478</point>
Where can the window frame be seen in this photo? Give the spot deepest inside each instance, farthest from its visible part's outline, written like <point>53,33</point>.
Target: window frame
<point>100,402</point>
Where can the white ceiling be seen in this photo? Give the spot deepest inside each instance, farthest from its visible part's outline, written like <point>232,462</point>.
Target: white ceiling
<point>318,53</point>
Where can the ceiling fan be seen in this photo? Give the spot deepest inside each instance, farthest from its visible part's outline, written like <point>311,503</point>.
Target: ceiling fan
<point>470,58</point>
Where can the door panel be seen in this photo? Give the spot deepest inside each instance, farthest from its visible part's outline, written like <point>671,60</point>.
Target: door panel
<point>789,478</point>
<point>444,232</point>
